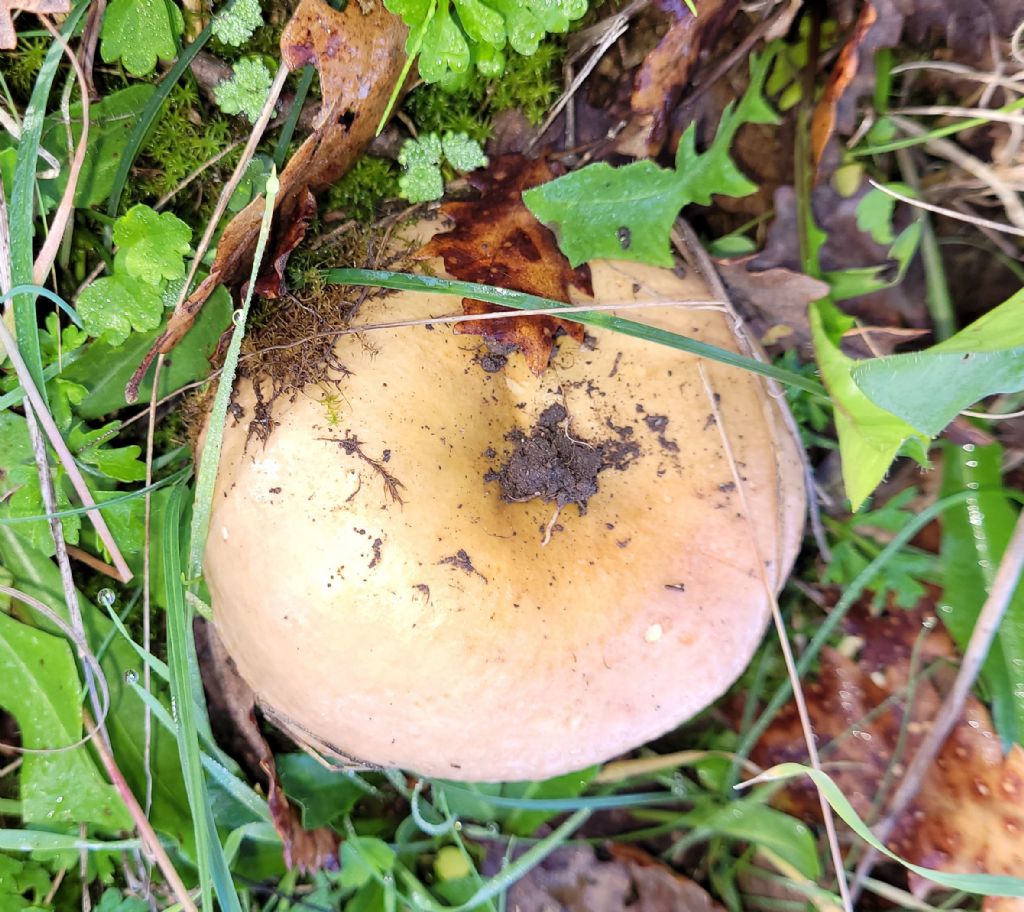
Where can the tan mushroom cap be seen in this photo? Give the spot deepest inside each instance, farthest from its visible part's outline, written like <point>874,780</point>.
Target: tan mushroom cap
<point>441,634</point>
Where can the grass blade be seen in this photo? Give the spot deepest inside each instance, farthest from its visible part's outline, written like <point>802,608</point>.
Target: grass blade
<point>519,300</point>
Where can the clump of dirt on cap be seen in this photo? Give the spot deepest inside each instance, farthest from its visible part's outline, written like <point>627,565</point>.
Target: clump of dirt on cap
<point>553,466</point>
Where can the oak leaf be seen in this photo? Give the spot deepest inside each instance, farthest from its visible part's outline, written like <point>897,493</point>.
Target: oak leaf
<point>495,240</point>
<point>870,716</point>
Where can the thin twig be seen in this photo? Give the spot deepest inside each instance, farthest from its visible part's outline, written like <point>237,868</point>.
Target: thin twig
<point>949,213</point>
<point>944,148</point>
<point>60,548</point>
<point>48,253</point>
<point>209,163</point>
<point>147,747</point>
<point>146,832</point>
<point>93,562</point>
<point>232,184</point>
<point>985,628</point>
<point>783,637</point>
<point>616,29</point>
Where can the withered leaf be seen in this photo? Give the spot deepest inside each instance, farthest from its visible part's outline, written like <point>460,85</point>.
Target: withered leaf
<point>497,241</point>
<point>575,880</point>
<point>359,56</point>
<point>233,706</point>
<point>968,815</point>
<point>8,36</point>
<point>665,72</point>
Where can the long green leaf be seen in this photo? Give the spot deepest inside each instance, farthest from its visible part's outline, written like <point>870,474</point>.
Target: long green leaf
<point>22,208</point>
<point>519,300</point>
<point>210,860</point>
<point>929,388</point>
<point>975,534</point>
<point>981,884</point>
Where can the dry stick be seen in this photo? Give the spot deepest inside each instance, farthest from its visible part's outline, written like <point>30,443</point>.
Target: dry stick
<point>146,833</point>
<point>236,177</point>
<point>787,652</point>
<point>63,562</point>
<point>616,29</point>
<point>93,562</point>
<point>209,163</point>
<point>688,245</point>
<point>985,629</point>
<point>952,152</point>
<point>949,213</point>
<point>67,204</point>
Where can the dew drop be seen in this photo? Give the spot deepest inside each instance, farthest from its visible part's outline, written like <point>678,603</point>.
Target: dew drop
<point>60,799</point>
<point>106,597</point>
<point>968,447</point>
<point>971,463</point>
<point>946,609</point>
<point>929,622</point>
<point>131,676</point>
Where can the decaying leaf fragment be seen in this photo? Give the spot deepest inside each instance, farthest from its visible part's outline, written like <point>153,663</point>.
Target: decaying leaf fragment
<point>497,241</point>
<point>8,36</point>
<point>359,56</point>
<point>234,706</point>
<point>665,72</point>
<point>968,816</point>
<point>575,880</point>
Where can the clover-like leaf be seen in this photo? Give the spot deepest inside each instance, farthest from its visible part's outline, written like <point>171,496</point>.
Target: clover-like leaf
<point>246,90</point>
<point>137,32</point>
<point>113,306</point>
<point>463,153</point>
<point>235,24</point>
<point>153,244</point>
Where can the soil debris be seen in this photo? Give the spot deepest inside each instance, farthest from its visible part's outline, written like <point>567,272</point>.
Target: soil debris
<point>353,446</point>
<point>556,467</point>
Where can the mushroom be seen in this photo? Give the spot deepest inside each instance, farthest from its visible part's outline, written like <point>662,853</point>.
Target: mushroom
<point>496,575</point>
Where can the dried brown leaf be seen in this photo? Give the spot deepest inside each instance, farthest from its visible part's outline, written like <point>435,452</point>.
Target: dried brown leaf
<point>233,712</point>
<point>497,241</point>
<point>8,35</point>
<point>968,816</point>
<point>359,56</point>
<point>575,880</point>
<point>665,72</point>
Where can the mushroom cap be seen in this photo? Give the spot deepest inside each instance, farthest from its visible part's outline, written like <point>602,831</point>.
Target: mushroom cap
<point>447,633</point>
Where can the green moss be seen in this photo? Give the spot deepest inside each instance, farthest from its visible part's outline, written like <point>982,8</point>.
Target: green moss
<point>21,66</point>
<point>530,83</point>
<point>177,145</point>
<point>362,189</point>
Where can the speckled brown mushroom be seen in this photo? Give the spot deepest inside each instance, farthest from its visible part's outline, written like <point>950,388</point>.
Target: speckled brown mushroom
<point>377,589</point>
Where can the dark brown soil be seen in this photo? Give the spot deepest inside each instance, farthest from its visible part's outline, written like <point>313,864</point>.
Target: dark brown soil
<point>553,466</point>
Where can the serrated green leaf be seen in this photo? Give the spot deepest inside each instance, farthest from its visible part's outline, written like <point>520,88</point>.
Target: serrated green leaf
<point>113,900</point>
<point>137,32</point>
<point>627,213</point>
<point>523,28</point>
<point>869,437</point>
<point>929,388</point>
<point>39,686</point>
<point>975,534</point>
<point>120,463</point>
<point>246,90</point>
<point>19,480</point>
<point>236,24</point>
<point>105,369</point>
<point>153,244</point>
<point>113,306</point>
